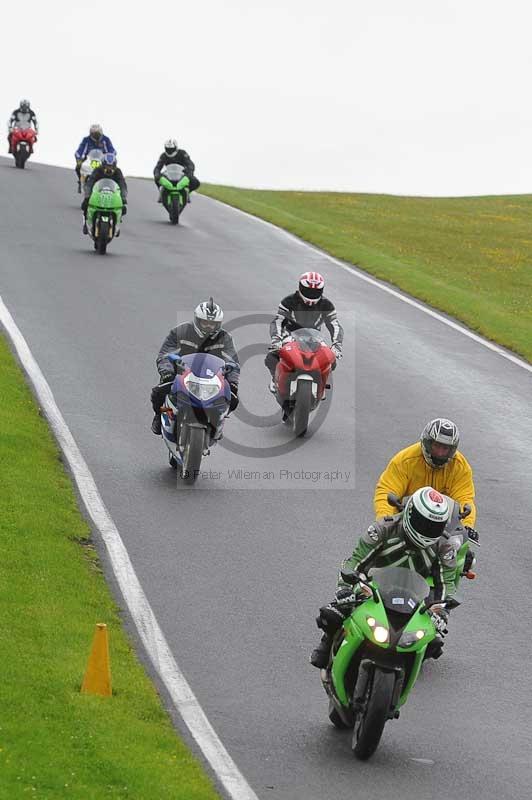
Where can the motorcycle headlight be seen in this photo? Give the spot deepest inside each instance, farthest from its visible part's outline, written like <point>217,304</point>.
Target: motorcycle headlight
<point>380,634</point>
<point>409,638</point>
<point>202,390</point>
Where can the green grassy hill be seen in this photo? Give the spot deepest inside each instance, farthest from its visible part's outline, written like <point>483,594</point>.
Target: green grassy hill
<point>469,257</point>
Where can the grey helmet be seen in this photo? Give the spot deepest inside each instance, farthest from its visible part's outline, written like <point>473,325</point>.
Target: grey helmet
<point>24,105</point>
<point>208,318</point>
<point>96,132</point>
<point>425,516</point>
<point>442,431</point>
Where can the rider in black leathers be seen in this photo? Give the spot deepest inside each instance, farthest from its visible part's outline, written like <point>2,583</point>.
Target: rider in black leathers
<point>203,335</point>
<point>173,155</point>
<point>305,308</point>
<point>107,169</point>
<point>24,114</point>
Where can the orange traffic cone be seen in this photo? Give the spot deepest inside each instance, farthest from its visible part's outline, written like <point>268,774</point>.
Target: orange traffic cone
<point>97,678</point>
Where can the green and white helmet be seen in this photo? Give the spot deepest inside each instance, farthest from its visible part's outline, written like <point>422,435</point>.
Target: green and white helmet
<point>425,516</point>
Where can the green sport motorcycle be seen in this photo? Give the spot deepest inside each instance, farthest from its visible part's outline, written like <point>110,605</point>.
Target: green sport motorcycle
<point>174,185</point>
<point>104,213</point>
<point>376,656</point>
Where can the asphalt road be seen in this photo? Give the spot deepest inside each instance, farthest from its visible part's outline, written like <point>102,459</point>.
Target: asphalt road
<point>235,567</point>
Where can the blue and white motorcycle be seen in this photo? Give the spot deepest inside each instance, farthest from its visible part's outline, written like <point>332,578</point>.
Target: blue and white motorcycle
<point>194,411</point>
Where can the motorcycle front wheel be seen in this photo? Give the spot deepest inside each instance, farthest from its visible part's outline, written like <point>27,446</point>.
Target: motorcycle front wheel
<point>174,210</point>
<point>369,723</point>
<point>20,158</point>
<point>192,455</point>
<point>102,238</point>
<point>303,405</point>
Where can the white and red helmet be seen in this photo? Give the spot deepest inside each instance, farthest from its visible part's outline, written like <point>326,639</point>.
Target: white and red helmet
<point>311,286</point>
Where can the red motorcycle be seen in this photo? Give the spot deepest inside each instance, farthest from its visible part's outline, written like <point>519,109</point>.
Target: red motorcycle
<point>22,140</point>
<point>302,375</point>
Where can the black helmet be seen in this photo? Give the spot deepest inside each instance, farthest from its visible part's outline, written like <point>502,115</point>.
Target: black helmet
<point>109,163</point>
<point>24,105</point>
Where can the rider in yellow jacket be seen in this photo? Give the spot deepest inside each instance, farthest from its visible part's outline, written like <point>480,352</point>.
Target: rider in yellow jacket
<point>433,461</point>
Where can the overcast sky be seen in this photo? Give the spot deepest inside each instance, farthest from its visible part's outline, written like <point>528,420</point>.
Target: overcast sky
<point>412,97</point>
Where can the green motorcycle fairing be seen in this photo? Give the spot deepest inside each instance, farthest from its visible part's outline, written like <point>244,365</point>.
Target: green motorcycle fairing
<point>175,183</point>
<point>105,199</point>
<point>400,594</point>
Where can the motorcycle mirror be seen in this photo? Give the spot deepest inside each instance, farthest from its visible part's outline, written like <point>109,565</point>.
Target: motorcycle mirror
<point>394,501</point>
<point>175,358</point>
<point>453,602</point>
<point>466,512</point>
<point>350,576</point>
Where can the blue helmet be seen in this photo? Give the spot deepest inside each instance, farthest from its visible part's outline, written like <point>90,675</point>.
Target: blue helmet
<point>109,162</point>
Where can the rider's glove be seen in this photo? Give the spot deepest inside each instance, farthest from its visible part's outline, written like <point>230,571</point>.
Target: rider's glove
<point>337,350</point>
<point>348,596</point>
<point>275,343</point>
<point>233,403</point>
<point>472,533</point>
<point>440,618</point>
<point>167,376</point>
<point>345,596</point>
<point>124,209</point>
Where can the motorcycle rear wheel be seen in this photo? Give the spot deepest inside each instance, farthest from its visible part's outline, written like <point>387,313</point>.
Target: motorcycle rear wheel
<point>303,405</point>
<point>336,719</point>
<point>369,723</point>
<point>192,455</point>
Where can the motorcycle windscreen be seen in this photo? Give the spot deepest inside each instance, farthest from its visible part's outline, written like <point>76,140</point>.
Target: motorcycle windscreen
<point>309,339</point>
<point>94,158</point>
<point>106,185</point>
<point>174,172</point>
<point>401,589</point>
<point>203,365</point>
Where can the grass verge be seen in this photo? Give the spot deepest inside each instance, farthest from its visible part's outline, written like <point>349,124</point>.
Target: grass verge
<point>55,742</point>
<point>469,257</point>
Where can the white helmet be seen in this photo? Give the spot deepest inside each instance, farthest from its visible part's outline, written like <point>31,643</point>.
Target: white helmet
<point>208,318</point>
<point>442,431</point>
<point>96,131</point>
<point>170,147</point>
<point>425,517</point>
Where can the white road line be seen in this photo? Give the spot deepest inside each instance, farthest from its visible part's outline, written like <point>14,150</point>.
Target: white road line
<point>148,628</point>
<point>353,270</point>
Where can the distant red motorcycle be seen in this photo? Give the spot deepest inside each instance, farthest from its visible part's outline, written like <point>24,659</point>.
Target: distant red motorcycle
<point>302,375</point>
<point>22,139</point>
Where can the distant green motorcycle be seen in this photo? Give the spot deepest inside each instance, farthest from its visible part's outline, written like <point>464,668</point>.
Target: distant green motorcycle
<point>377,655</point>
<point>175,191</point>
<point>104,213</point>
